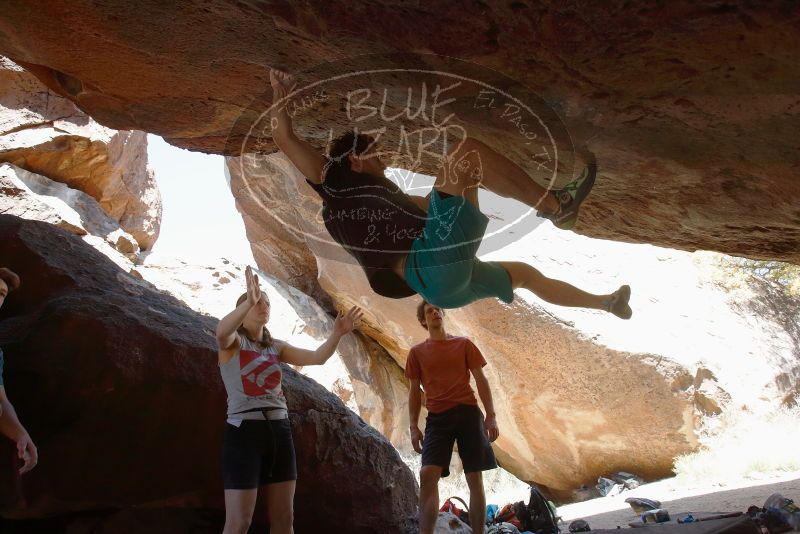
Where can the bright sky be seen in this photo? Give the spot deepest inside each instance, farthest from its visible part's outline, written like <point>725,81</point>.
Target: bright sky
<point>200,222</point>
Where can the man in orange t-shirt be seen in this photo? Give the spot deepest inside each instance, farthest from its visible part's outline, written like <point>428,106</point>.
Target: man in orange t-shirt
<point>442,364</point>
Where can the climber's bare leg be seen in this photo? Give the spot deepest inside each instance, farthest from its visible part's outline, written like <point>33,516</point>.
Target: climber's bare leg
<point>472,164</point>
<point>551,290</point>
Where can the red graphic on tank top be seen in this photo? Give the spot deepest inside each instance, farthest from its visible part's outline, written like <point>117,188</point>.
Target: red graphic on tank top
<point>261,373</point>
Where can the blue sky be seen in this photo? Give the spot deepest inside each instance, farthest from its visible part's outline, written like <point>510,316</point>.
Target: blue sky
<point>199,223</point>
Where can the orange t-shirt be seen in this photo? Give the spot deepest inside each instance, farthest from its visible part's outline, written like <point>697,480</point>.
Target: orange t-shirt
<point>442,366</point>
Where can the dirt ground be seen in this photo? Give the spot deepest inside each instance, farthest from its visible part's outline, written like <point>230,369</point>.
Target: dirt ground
<point>680,498</point>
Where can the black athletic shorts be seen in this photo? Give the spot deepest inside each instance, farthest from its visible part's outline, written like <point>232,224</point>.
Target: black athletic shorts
<point>464,425</point>
<point>258,453</point>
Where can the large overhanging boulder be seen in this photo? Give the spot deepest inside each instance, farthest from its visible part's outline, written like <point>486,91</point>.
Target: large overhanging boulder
<point>44,133</point>
<point>690,106</point>
<point>119,387</point>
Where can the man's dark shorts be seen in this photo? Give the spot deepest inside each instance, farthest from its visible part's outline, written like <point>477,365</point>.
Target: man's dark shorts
<point>464,425</point>
<point>258,453</point>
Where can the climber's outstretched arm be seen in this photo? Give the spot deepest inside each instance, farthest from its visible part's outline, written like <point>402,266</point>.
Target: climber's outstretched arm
<point>299,151</point>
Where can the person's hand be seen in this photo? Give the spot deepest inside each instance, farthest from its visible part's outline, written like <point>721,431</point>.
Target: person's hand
<point>253,287</point>
<point>416,439</point>
<point>345,323</point>
<point>27,452</point>
<point>282,83</point>
<point>490,425</point>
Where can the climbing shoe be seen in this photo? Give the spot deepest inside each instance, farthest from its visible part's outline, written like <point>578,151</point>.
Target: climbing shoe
<point>618,303</point>
<point>572,195</point>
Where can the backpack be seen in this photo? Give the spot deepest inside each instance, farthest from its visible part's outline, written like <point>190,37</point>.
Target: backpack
<point>539,515</point>
<point>449,506</point>
<point>508,514</point>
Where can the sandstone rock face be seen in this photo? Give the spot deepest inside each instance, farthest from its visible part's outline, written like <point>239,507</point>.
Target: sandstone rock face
<point>116,383</point>
<point>46,134</point>
<point>573,389</point>
<point>20,201</point>
<point>694,136</point>
<point>34,197</point>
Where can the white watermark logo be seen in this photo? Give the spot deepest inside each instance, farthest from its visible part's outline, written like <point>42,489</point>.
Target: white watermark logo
<point>392,130</point>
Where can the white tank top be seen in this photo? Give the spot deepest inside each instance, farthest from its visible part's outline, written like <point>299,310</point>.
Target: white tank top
<point>252,380</point>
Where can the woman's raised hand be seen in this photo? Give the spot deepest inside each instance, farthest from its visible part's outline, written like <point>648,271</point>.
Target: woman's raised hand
<point>345,323</point>
<point>253,287</point>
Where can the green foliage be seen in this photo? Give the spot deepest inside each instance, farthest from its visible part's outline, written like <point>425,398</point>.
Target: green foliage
<point>786,275</point>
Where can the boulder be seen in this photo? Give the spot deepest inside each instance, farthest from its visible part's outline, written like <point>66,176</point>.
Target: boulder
<point>35,197</point>
<point>44,133</point>
<point>119,387</point>
<point>18,199</point>
<point>694,137</point>
<point>212,289</point>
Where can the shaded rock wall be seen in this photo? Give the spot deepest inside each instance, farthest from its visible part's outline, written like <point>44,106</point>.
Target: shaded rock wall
<point>46,134</point>
<point>116,382</point>
<point>691,107</point>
